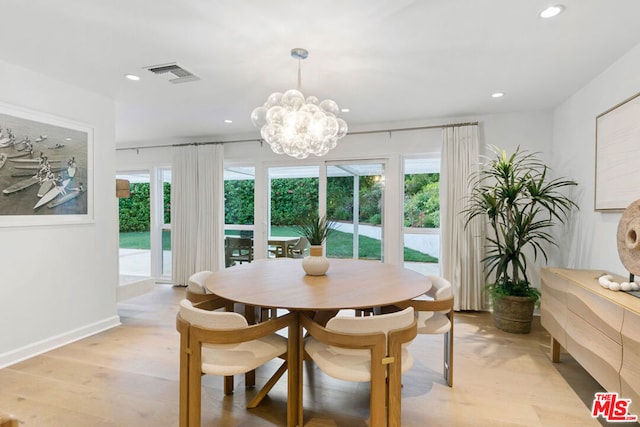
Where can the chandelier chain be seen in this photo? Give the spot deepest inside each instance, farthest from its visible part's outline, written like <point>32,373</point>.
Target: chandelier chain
<point>299,77</point>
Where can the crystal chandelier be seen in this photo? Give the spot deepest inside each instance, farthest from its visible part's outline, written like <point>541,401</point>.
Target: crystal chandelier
<point>297,126</point>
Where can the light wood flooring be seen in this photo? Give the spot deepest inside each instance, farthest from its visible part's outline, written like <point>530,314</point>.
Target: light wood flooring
<point>128,376</point>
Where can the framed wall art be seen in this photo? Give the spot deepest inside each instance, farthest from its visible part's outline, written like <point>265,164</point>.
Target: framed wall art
<point>46,169</point>
<point>617,154</point>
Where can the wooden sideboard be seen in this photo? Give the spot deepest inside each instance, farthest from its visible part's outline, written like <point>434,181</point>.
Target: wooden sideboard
<point>598,327</point>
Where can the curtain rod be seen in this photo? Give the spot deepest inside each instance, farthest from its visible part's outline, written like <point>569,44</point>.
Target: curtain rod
<point>364,132</point>
<point>184,144</point>
<point>452,125</point>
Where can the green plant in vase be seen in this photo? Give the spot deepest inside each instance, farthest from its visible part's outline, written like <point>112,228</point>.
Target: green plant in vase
<point>316,229</point>
<point>521,203</point>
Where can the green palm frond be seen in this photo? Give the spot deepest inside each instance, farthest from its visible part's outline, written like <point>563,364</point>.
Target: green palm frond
<point>522,204</point>
<point>315,228</point>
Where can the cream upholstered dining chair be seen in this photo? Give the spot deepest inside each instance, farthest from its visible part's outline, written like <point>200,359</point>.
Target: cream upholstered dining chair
<point>197,292</point>
<point>196,289</point>
<point>222,343</point>
<point>435,316</point>
<point>366,349</point>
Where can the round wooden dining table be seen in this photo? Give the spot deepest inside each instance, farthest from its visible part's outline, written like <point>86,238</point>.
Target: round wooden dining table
<point>282,283</point>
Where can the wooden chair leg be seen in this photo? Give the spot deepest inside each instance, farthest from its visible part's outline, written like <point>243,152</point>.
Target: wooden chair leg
<point>377,403</point>
<point>195,389</point>
<point>268,386</point>
<point>250,379</point>
<point>184,393</point>
<point>394,411</point>
<point>183,328</point>
<point>228,384</point>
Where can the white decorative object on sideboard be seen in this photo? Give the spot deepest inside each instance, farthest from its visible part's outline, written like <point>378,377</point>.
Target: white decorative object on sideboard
<point>598,327</point>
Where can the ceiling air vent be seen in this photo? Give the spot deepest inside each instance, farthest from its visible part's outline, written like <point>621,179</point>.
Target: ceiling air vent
<point>173,73</point>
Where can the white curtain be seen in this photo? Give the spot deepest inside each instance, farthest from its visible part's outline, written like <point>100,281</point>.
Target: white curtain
<point>197,210</point>
<point>461,249</point>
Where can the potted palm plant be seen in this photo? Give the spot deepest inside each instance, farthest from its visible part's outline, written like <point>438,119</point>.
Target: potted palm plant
<point>316,229</point>
<point>521,203</point>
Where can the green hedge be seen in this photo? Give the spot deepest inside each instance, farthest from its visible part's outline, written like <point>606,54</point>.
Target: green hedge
<point>134,210</point>
<point>238,201</point>
<point>422,200</point>
<point>292,199</point>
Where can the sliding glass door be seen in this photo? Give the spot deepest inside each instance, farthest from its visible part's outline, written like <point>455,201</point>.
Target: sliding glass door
<point>135,229</point>
<point>239,214</point>
<point>355,202</point>
<point>145,226</point>
<point>421,229</point>
<point>293,194</point>
<point>352,194</point>
<point>239,190</point>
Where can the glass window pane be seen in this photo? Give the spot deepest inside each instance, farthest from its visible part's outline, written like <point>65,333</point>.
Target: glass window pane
<point>135,234</point>
<point>166,195</point>
<point>294,195</point>
<point>422,214</point>
<point>238,196</point>
<point>166,252</point>
<point>239,189</point>
<point>355,202</point>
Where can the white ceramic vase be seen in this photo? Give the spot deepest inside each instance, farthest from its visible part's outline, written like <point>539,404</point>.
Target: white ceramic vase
<point>315,264</point>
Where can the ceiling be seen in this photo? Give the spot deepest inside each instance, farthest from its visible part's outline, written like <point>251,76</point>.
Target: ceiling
<point>388,61</point>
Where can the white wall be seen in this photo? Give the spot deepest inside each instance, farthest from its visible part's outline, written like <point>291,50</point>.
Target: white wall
<point>58,283</point>
<point>590,242</point>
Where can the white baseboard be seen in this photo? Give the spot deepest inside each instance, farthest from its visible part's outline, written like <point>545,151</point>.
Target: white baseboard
<point>135,289</point>
<point>31,350</point>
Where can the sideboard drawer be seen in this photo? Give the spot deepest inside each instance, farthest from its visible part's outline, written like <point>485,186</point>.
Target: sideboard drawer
<point>595,351</point>
<point>602,314</point>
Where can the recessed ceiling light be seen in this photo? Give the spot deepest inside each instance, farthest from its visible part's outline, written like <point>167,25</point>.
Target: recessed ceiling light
<point>67,139</point>
<point>132,77</point>
<point>345,110</point>
<point>497,95</point>
<point>228,121</point>
<point>552,11</point>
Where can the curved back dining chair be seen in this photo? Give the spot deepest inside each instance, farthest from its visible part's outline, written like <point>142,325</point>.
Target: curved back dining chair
<point>196,289</point>
<point>197,292</point>
<point>366,349</point>
<point>435,316</point>
<point>223,343</point>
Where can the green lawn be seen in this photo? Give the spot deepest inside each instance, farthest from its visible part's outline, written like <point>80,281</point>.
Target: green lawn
<point>339,244</point>
<point>141,240</point>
